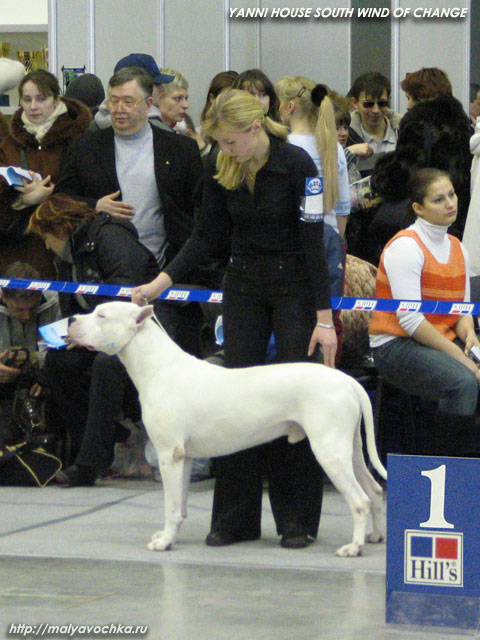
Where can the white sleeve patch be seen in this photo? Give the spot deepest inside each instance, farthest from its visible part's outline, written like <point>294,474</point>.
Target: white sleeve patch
<point>311,208</point>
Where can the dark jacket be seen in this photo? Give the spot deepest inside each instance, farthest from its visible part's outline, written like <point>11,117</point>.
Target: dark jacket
<point>105,250</point>
<point>45,159</point>
<point>434,133</point>
<point>89,174</point>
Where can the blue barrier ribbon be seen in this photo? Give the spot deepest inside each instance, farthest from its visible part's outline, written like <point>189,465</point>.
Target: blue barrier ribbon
<point>189,294</point>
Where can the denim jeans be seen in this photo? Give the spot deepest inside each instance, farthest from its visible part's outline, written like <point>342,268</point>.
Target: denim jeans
<point>428,373</point>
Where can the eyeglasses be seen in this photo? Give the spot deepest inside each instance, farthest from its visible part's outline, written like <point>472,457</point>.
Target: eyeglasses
<point>128,103</point>
<point>369,104</point>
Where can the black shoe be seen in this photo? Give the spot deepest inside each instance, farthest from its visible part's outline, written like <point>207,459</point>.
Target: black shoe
<point>219,539</point>
<point>294,537</point>
<point>77,476</point>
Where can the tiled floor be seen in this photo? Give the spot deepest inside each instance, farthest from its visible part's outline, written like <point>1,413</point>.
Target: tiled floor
<point>78,556</point>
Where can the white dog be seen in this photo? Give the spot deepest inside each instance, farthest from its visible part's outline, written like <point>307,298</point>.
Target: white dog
<point>191,409</point>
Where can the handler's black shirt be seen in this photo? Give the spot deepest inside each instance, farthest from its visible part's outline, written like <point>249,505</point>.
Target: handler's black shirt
<point>238,224</point>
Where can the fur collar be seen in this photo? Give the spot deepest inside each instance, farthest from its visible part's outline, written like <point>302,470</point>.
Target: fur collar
<point>64,130</point>
<point>445,110</point>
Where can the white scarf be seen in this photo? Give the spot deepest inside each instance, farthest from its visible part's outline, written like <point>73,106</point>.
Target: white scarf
<point>39,130</point>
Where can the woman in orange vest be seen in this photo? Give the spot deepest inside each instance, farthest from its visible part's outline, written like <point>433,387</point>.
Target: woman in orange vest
<point>427,355</point>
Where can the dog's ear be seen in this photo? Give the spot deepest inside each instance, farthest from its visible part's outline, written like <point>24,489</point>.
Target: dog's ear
<point>142,315</point>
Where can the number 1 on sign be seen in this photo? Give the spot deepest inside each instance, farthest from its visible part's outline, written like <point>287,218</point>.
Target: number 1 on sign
<point>437,499</point>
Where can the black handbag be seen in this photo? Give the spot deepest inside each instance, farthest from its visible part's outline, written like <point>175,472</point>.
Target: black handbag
<point>28,464</point>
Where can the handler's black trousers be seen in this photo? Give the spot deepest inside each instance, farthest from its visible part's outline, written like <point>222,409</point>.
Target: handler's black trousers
<point>261,296</point>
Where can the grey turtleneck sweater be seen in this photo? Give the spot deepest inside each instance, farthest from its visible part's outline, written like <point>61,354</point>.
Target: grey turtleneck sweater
<point>134,163</point>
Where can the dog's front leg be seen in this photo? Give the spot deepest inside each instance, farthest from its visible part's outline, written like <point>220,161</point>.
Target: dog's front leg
<point>187,471</point>
<point>173,477</point>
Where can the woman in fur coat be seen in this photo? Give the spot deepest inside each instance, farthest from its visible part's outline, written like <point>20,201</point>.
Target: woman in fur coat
<point>435,132</point>
<point>41,130</point>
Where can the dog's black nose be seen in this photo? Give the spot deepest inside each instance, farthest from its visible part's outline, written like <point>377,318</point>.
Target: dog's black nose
<point>71,320</point>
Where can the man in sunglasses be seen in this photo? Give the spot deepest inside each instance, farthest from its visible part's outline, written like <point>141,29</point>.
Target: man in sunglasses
<point>374,126</point>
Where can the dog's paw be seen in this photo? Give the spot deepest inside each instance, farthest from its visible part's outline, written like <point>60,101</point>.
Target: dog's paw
<point>159,542</point>
<point>350,550</point>
<point>158,534</point>
<point>375,537</point>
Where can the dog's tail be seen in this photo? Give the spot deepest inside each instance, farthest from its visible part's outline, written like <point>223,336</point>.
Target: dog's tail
<point>370,430</point>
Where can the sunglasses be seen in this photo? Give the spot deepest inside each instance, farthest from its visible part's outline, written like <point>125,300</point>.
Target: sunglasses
<point>369,104</point>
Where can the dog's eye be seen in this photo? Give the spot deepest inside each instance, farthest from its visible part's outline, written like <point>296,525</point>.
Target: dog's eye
<point>100,315</point>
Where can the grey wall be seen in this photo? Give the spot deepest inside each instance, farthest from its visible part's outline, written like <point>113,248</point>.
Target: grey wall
<point>195,45</point>
<point>370,41</point>
<point>121,28</point>
<point>316,48</point>
<point>439,43</point>
<point>72,37</point>
<point>198,39</point>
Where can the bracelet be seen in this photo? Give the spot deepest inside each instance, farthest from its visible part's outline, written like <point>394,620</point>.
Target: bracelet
<point>325,326</point>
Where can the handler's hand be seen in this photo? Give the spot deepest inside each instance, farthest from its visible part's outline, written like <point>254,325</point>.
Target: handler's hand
<point>327,339</point>
<point>145,293</point>
<point>141,295</point>
<point>110,204</point>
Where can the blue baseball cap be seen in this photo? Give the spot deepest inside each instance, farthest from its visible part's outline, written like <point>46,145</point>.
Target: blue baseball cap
<point>146,62</point>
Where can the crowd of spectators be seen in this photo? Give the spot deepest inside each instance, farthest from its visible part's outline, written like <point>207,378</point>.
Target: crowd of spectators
<point>125,188</point>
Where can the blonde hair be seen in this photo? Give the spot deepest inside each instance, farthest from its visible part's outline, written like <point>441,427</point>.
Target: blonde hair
<point>234,111</point>
<point>321,116</point>
<point>179,81</point>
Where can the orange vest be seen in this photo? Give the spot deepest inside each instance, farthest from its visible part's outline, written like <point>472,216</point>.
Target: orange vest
<point>439,282</point>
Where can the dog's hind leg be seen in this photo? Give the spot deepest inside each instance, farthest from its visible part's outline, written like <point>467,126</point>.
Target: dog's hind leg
<point>340,471</point>
<point>174,476</point>
<point>373,490</point>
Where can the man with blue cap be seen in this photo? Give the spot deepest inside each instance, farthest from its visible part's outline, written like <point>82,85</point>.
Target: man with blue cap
<point>145,61</point>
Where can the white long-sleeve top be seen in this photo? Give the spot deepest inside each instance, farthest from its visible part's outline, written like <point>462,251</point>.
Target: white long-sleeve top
<point>404,261</point>
<point>475,139</point>
<point>472,223</point>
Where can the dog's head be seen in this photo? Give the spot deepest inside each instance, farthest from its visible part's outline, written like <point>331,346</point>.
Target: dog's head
<point>110,327</point>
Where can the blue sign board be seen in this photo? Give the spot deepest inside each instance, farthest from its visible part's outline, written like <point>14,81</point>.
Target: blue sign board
<point>433,541</point>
